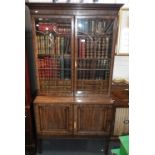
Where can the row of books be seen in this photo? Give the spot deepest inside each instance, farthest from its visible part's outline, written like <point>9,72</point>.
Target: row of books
<point>95,26</point>
<point>93,69</point>
<point>54,27</point>
<point>52,45</point>
<point>62,30</point>
<point>96,48</point>
<point>92,85</point>
<point>93,74</point>
<point>50,68</point>
<point>94,64</point>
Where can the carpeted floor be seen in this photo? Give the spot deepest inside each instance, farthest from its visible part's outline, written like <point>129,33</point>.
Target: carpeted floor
<point>74,147</point>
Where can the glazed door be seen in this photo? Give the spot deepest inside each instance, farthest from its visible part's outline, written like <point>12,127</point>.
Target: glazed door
<point>92,119</point>
<point>54,54</point>
<point>54,119</point>
<point>94,54</point>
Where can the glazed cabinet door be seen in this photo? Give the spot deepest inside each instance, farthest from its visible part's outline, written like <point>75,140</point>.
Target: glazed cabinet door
<point>92,119</point>
<point>53,37</point>
<point>94,54</point>
<point>53,119</point>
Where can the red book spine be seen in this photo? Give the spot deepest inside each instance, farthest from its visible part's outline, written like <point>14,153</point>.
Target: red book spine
<point>82,48</point>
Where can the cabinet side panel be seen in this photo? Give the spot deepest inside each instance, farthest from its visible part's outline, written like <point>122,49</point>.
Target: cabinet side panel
<point>121,121</point>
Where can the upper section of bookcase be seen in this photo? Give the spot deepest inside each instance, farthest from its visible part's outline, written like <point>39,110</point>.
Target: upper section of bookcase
<point>74,47</point>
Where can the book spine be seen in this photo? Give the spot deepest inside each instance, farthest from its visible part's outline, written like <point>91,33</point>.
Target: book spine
<point>62,56</point>
<point>92,26</point>
<point>95,48</point>
<point>103,46</point>
<point>58,49</point>
<point>62,45</point>
<point>91,49</point>
<point>62,67</point>
<point>45,44</point>
<point>67,66</point>
<point>107,47</point>
<point>44,52</point>
<point>99,48</point>
<point>83,48</point>
<point>41,45</point>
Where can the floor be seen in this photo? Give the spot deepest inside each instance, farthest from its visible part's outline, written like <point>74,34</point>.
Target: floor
<point>74,147</point>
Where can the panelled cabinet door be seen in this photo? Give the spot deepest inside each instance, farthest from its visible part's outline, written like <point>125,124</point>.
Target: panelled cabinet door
<point>54,119</point>
<point>121,121</point>
<point>92,119</point>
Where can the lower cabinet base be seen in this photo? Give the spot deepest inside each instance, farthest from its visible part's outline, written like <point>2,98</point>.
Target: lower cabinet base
<point>73,117</point>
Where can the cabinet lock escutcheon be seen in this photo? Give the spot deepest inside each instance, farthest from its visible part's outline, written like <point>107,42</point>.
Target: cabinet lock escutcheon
<point>74,124</point>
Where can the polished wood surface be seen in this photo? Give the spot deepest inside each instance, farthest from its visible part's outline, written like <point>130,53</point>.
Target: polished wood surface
<point>61,115</point>
<point>120,94</point>
<point>55,119</point>
<point>93,119</point>
<point>73,119</point>
<point>73,100</point>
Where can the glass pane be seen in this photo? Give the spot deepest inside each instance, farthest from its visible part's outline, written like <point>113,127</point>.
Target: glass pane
<point>53,37</point>
<point>94,39</point>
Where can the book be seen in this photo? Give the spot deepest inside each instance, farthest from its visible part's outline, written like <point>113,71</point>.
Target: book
<point>81,48</point>
<point>67,68</point>
<point>103,47</point>
<point>62,67</point>
<point>87,48</point>
<point>107,47</point>
<point>47,27</point>
<point>67,49</point>
<point>91,48</point>
<point>95,54</point>
<point>93,26</point>
<point>99,29</point>
<point>98,48</point>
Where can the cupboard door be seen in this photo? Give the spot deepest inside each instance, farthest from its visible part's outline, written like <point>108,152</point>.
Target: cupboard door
<point>121,121</point>
<point>94,54</point>
<point>92,119</point>
<point>54,54</point>
<point>54,119</point>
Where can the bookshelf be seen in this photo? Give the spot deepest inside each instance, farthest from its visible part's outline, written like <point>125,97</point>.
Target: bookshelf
<point>93,54</point>
<point>53,54</point>
<point>74,46</point>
